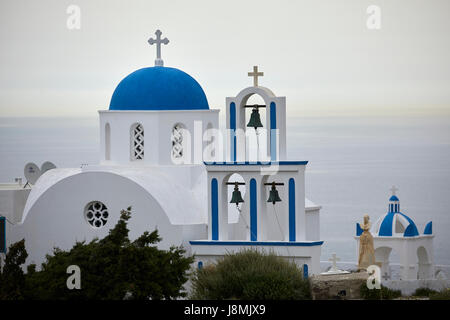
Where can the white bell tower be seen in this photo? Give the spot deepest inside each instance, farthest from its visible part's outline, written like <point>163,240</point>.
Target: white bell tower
<point>273,131</point>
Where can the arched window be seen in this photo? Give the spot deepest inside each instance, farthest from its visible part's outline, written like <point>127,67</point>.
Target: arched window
<point>137,142</point>
<point>177,141</point>
<point>107,142</point>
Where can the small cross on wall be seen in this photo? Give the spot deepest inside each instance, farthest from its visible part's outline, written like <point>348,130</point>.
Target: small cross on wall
<point>255,74</point>
<point>333,260</point>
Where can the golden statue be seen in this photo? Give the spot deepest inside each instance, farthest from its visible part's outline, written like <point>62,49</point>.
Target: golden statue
<point>366,250</point>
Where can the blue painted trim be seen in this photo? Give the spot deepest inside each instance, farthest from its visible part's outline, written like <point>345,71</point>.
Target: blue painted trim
<point>214,209</point>
<point>428,228</point>
<point>256,163</point>
<point>386,225</point>
<point>255,243</point>
<point>305,271</point>
<point>411,230</point>
<point>3,220</point>
<point>273,127</point>
<point>359,230</point>
<point>253,211</point>
<point>291,209</point>
<point>233,130</point>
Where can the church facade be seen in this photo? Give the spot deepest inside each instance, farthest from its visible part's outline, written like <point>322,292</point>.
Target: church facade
<point>162,153</point>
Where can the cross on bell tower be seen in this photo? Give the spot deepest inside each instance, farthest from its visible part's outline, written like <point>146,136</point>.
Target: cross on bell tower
<point>255,74</point>
<point>158,41</point>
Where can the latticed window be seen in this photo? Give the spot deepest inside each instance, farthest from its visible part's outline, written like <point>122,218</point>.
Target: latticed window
<point>137,142</point>
<point>96,214</point>
<point>177,141</point>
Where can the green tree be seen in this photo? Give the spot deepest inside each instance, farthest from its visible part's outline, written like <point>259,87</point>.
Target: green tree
<point>112,268</point>
<point>12,278</point>
<point>250,275</point>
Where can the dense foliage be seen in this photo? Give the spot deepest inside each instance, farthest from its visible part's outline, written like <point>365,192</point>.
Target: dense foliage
<point>379,294</point>
<point>440,295</point>
<point>424,292</point>
<point>111,268</point>
<point>250,275</point>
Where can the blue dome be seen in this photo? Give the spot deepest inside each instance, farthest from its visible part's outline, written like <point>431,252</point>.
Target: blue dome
<point>158,88</point>
<point>393,198</point>
<point>387,225</point>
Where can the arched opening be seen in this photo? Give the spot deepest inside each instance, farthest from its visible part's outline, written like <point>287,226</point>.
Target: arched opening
<point>210,145</point>
<point>390,263</point>
<point>237,213</point>
<point>107,142</point>
<point>275,221</point>
<point>424,266</point>
<point>256,147</point>
<point>181,144</point>
<point>137,142</point>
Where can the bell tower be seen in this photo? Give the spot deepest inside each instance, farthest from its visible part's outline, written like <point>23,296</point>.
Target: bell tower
<point>270,136</point>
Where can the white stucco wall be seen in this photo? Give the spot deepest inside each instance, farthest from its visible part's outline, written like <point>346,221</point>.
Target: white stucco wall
<point>157,133</point>
<point>56,218</point>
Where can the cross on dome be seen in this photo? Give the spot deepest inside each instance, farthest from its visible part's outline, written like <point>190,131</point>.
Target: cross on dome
<point>394,189</point>
<point>158,41</point>
<point>255,74</point>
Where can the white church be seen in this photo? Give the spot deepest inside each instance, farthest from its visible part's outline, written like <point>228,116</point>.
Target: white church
<point>162,153</point>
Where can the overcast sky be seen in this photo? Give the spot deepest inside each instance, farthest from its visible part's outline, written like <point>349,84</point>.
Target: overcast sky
<point>319,54</point>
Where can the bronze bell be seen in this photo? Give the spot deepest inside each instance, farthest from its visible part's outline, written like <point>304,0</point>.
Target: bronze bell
<point>236,197</point>
<point>255,119</point>
<point>273,196</point>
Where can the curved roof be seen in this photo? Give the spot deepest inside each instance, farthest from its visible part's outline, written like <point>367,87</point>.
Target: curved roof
<point>395,224</point>
<point>393,198</point>
<point>158,88</point>
<point>158,185</point>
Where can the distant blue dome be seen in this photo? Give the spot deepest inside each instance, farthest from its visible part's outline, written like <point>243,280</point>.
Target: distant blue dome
<point>387,225</point>
<point>393,198</point>
<point>158,88</point>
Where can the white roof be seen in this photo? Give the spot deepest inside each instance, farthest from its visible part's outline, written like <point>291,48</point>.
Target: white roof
<point>188,210</point>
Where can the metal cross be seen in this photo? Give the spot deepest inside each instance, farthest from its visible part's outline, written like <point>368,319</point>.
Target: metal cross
<point>255,74</point>
<point>158,41</point>
<point>333,260</point>
<point>394,189</point>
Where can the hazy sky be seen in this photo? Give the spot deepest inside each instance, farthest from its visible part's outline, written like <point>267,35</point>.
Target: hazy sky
<point>319,54</point>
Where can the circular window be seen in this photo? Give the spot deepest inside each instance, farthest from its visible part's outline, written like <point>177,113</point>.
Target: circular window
<point>96,214</point>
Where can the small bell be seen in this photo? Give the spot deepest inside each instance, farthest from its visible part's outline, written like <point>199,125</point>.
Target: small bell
<point>273,196</point>
<point>255,119</point>
<point>236,197</point>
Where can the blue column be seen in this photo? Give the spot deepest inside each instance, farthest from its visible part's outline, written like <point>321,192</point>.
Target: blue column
<point>214,209</point>
<point>291,209</point>
<point>233,130</point>
<point>273,127</point>
<point>305,271</point>
<point>253,211</point>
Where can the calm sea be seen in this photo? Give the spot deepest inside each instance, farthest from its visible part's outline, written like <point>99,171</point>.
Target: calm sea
<point>353,162</point>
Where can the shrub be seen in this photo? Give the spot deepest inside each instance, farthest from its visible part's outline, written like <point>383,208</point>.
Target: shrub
<point>424,292</point>
<point>250,275</point>
<point>379,294</point>
<point>442,295</point>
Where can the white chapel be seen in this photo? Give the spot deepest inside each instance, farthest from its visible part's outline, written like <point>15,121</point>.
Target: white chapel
<point>162,153</point>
